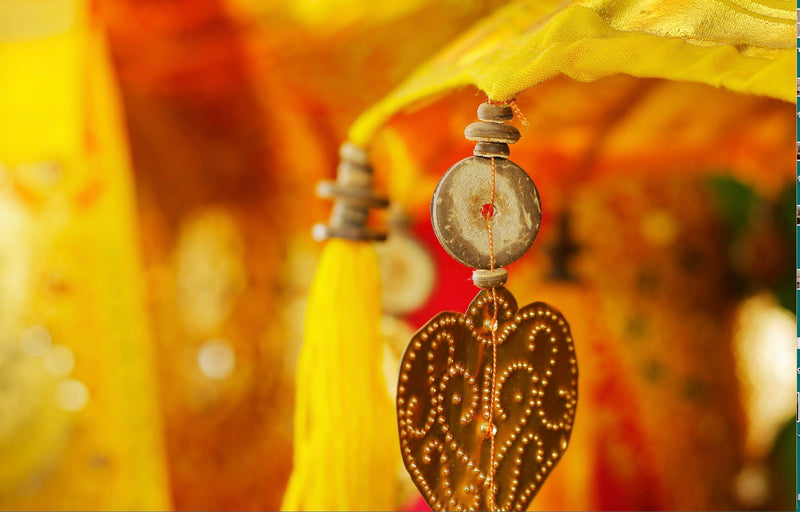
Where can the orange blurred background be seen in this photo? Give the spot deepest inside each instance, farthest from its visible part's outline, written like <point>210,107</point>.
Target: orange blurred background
<point>157,195</point>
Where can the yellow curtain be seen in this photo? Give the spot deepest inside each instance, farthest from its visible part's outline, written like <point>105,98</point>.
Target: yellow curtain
<point>79,427</point>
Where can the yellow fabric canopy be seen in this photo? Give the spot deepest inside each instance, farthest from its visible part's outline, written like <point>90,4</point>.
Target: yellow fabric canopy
<point>745,46</point>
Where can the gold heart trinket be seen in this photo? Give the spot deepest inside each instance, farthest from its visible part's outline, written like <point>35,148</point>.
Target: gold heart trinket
<point>444,399</point>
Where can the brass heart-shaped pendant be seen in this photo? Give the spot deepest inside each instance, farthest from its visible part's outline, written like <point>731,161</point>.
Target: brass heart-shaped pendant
<point>444,396</point>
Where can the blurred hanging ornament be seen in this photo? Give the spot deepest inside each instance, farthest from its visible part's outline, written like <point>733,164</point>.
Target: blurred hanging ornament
<point>486,400</point>
<point>407,274</point>
<point>343,420</point>
<point>407,269</point>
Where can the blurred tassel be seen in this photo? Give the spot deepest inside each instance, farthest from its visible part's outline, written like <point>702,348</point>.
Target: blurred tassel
<point>344,452</point>
<point>344,434</point>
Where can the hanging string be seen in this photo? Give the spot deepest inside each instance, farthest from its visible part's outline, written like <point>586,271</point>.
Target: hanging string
<point>523,120</point>
<point>517,112</point>
<point>488,213</point>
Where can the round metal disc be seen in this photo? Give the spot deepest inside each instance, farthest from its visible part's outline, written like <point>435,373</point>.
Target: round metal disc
<point>461,227</point>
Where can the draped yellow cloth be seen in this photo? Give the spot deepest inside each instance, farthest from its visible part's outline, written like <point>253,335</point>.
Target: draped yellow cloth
<point>745,46</point>
<point>79,425</point>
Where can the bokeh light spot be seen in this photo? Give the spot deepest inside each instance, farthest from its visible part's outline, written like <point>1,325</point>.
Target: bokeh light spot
<point>216,359</point>
<point>659,228</point>
<point>35,341</point>
<point>59,361</point>
<point>751,485</point>
<point>72,395</point>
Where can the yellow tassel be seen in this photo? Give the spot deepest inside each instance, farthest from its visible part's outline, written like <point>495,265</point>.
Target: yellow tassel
<point>345,434</point>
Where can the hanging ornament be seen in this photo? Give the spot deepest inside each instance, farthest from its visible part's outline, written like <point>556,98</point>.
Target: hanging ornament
<point>343,411</point>
<point>486,399</point>
<point>408,271</point>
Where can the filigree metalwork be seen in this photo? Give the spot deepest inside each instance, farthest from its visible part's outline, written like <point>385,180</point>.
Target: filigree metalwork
<point>444,396</point>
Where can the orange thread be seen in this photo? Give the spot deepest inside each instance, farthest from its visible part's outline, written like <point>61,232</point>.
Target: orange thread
<point>518,112</point>
<point>488,217</point>
<point>523,120</point>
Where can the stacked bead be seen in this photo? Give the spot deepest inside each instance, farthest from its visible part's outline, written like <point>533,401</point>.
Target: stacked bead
<point>460,210</point>
<point>492,137</point>
<point>490,133</point>
<point>489,278</point>
<point>353,197</point>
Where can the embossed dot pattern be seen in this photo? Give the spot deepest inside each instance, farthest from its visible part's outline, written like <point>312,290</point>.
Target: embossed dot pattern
<point>444,395</point>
